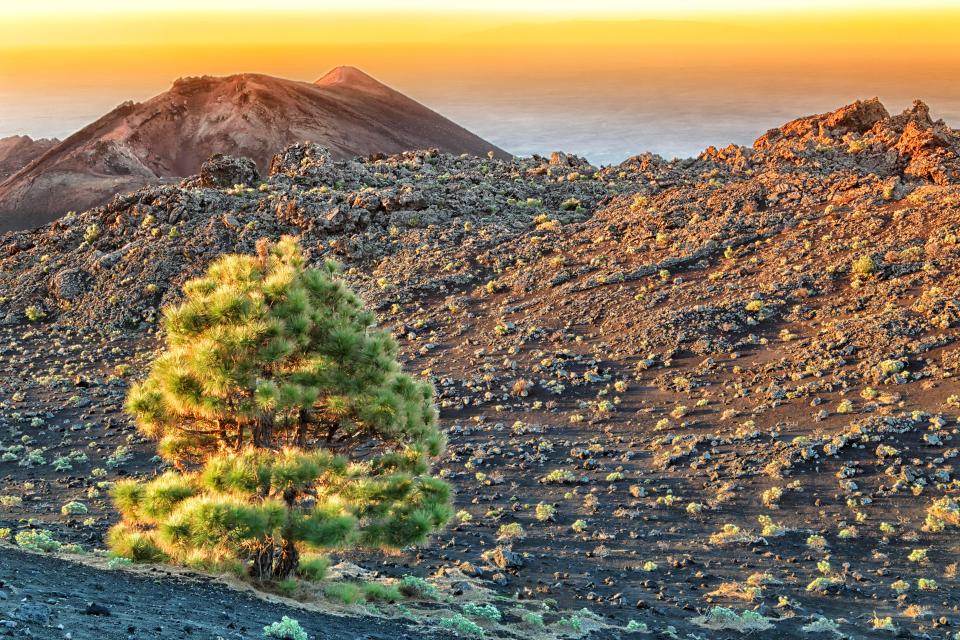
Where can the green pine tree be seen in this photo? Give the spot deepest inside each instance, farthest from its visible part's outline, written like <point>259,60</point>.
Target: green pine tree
<point>288,421</point>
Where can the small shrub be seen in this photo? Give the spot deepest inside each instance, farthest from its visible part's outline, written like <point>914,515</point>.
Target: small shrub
<point>724,618</point>
<point>823,625</point>
<point>927,584</point>
<point>863,266</point>
<point>944,511</point>
<point>345,592</point>
<point>771,497</point>
<point>694,508</point>
<point>512,531</point>
<point>461,625</point>
<point>918,556</point>
<point>883,624</point>
<point>417,587</point>
<point>285,629</point>
<point>288,588</point>
<point>823,583</point>
<point>313,568</point>
<point>545,512</point>
<point>891,367</point>
<point>38,540</point>
<point>559,476</point>
<point>574,621</point>
<point>376,592</point>
<point>533,619</point>
<point>483,611</point>
<point>91,233</point>
<point>74,508</point>
<point>34,313</point>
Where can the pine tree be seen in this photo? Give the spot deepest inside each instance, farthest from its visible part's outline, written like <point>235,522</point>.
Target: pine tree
<point>288,422</point>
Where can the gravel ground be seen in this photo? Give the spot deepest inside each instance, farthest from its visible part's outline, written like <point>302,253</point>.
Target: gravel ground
<point>46,597</point>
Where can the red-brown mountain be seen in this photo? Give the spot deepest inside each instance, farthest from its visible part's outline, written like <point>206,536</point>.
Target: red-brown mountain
<point>252,115</point>
<point>16,152</point>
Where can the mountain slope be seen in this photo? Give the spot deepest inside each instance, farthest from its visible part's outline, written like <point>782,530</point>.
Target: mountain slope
<point>729,381</point>
<point>250,115</point>
<point>17,152</point>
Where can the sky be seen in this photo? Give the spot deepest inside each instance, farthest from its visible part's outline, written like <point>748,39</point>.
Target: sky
<point>539,7</point>
<point>604,76</point>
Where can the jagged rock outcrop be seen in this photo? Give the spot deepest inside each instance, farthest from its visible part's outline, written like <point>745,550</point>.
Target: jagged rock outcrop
<point>226,171</point>
<point>909,145</point>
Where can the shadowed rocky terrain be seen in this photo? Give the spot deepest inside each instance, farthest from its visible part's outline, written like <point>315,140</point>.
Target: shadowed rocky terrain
<point>61,599</point>
<point>251,115</point>
<point>705,396</point>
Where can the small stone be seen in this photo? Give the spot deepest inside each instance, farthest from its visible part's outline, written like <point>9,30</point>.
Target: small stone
<point>506,559</point>
<point>94,609</point>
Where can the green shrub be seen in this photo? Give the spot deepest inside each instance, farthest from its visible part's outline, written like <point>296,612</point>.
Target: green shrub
<point>74,508</point>
<point>533,619</point>
<point>135,545</point>
<point>417,587</point>
<point>91,233</point>
<point>863,266</point>
<point>38,540</point>
<point>34,313</point>
<point>545,512</point>
<point>289,587</point>
<point>313,568</point>
<point>944,511</point>
<point>376,592</point>
<point>267,363</point>
<point>462,625</point>
<point>484,611</point>
<point>345,592</point>
<point>285,629</point>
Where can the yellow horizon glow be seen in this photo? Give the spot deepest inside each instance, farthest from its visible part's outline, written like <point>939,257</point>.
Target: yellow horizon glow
<point>145,51</point>
<point>539,8</point>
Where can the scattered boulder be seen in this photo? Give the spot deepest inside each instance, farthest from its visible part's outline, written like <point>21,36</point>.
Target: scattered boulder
<point>505,558</point>
<point>32,613</point>
<point>69,284</point>
<point>222,171</point>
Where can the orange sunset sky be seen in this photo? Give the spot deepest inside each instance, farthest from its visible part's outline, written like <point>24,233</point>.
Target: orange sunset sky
<point>58,55</point>
<point>57,43</point>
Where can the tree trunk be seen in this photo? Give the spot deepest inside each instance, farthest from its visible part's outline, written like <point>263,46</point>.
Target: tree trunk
<point>266,437</point>
<point>286,561</point>
<point>262,564</point>
<point>301,428</point>
<point>275,560</point>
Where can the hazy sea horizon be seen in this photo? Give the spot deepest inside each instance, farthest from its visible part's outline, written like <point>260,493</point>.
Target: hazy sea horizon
<point>604,124</point>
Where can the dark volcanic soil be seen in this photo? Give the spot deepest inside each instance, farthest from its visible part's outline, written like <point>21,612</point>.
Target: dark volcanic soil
<point>154,604</point>
<point>722,382</point>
